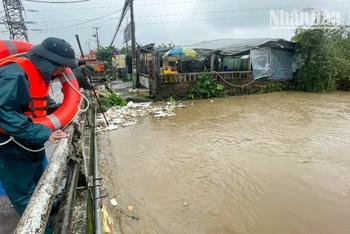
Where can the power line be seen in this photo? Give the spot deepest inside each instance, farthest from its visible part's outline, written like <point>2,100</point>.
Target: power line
<point>201,20</point>
<point>39,31</point>
<point>125,8</point>
<point>100,15</point>
<point>73,13</point>
<point>170,15</point>
<point>39,1</point>
<point>68,28</point>
<point>95,23</point>
<point>71,9</point>
<point>112,6</point>
<point>174,3</point>
<point>169,22</point>
<point>176,21</point>
<point>85,22</point>
<point>213,12</point>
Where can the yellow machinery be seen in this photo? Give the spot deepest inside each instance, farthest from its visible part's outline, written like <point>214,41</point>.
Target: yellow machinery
<point>167,70</point>
<point>170,74</point>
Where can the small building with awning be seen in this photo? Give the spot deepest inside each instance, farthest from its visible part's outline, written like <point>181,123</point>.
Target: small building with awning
<point>266,58</point>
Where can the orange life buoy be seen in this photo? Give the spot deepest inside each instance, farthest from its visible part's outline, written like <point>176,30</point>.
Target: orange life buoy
<point>12,47</point>
<point>70,104</point>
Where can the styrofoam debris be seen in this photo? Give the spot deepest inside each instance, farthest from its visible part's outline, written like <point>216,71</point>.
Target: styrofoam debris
<point>127,115</point>
<point>160,115</point>
<point>126,124</point>
<point>181,105</point>
<point>112,127</point>
<point>133,90</point>
<point>114,202</point>
<point>130,104</point>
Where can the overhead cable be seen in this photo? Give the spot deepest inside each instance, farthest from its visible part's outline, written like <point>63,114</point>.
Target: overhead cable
<point>165,3</point>
<point>125,8</point>
<point>111,6</point>
<point>85,22</point>
<point>40,1</point>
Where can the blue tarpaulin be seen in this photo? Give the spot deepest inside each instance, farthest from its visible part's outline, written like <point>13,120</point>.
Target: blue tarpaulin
<point>2,192</point>
<point>272,64</point>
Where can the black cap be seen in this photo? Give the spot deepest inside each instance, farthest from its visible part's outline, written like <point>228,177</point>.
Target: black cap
<point>89,68</point>
<point>56,50</point>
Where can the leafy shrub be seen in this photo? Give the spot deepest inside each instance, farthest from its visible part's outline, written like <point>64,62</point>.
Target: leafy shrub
<point>206,87</point>
<point>116,100</point>
<point>323,57</point>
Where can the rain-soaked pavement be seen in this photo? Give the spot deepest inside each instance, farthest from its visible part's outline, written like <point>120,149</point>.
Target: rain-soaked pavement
<point>262,164</point>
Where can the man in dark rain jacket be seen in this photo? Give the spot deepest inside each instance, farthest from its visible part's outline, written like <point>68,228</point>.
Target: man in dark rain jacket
<point>20,169</point>
<point>81,62</point>
<point>82,74</point>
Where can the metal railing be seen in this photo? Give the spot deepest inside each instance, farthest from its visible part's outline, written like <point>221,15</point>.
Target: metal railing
<point>192,77</point>
<point>96,178</point>
<point>37,213</point>
<point>64,215</point>
<point>179,77</point>
<point>237,75</point>
<point>38,210</point>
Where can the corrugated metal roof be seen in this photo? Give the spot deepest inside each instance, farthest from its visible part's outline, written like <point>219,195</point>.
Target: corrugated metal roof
<point>234,46</point>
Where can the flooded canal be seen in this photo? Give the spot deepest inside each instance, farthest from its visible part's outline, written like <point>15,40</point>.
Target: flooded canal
<point>264,164</point>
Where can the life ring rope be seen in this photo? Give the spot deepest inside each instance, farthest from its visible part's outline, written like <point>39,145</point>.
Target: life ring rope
<point>82,95</point>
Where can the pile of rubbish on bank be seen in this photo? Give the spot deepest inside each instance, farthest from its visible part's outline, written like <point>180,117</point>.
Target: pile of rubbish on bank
<point>127,115</point>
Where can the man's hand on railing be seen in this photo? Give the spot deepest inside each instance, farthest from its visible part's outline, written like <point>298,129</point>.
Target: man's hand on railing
<point>57,135</point>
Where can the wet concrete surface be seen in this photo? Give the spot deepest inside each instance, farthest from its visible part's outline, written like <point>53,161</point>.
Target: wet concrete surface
<point>122,88</point>
<point>263,164</point>
<point>8,216</point>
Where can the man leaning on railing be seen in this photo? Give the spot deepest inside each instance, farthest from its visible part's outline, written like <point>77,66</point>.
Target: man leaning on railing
<point>20,168</point>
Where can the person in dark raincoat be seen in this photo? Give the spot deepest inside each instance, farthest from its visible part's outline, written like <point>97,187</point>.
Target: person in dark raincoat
<point>81,62</point>
<point>82,73</point>
<point>20,169</point>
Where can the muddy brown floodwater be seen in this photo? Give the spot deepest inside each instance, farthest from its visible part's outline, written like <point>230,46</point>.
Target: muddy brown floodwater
<point>265,164</point>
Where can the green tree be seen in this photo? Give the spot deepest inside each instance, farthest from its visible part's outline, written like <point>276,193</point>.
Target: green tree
<point>123,50</point>
<point>322,55</point>
<point>105,54</point>
<point>165,46</point>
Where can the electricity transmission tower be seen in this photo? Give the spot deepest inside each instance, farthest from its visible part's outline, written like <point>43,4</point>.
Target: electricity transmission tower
<point>14,20</point>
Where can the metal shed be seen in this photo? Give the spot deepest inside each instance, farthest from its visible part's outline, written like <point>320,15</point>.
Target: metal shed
<point>269,58</point>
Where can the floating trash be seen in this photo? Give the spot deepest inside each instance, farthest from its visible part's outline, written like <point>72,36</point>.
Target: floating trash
<point>114,202</point>
<point>133,90</point>
<point>181,105</point>
<point>126,124</point>
<point>112,127</point>
<point>130,208</point>
<point>127,115</point>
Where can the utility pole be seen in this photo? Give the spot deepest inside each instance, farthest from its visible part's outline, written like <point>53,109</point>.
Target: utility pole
<point>97,38</point>
<point>133,44</point>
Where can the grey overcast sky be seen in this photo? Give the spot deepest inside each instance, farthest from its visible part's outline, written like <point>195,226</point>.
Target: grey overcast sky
<point>163,21</point>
